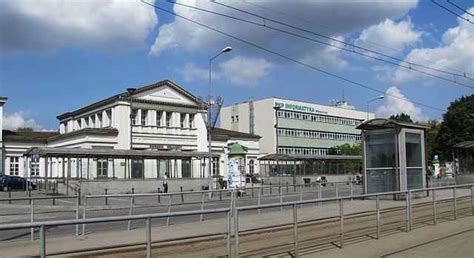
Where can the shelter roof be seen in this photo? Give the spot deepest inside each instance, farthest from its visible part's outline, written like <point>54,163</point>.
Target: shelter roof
<point>284,157</point>
<point>464,145</point>
<point>383,123</point>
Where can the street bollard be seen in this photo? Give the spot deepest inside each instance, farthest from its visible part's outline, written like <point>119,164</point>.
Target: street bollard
<point>29,195</point>
<point>182,196</point>
<point>335,186</point>
<point>472,200</point>
<point>295,230</point>
<point>341,225</point>
<point>433,196</point>
<point>9,195</point>
<point>78,200</point>
<point>352,190</point>
<point>258,202</point>
<point>408,211</point>
<point>252,192</point>
<point>270,188</point>
<point>281,200</point>
<point>261,189</point>
<point>286,187</point>
<point>294,187</point>
<point>236,232</point>
<point>301,192</point>
<point>42,236</point>
<point>84,210</point>
<point>54,200</point>
<point>220,195</point>
<point>133,192</point>
<point>229,233</point>
<point>79,194</point>
<point>106,199</point>
<point>377,209</point>
<point>169,210</point>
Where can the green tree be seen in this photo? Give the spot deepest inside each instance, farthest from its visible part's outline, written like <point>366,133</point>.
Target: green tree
<point>346,149</point>
<point>401,118</point>
<point>25,129</point>
<point>431,137</point>
<point>457,125</point>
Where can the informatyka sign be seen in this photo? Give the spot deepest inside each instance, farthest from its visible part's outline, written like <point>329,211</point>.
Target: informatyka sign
<point>300,108</point>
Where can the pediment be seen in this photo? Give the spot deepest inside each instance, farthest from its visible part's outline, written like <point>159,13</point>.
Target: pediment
<point>167,94</point>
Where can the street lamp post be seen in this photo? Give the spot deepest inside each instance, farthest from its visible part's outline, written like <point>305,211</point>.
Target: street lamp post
<point>374,99</point>
<point>130,93</point>
<point>209,119</point>
<point>276,108</point>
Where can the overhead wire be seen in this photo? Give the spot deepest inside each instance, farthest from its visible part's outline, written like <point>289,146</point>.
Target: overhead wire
<point>369,42</point>
<point>265,25</point>
<point>460,8</point>
<point>452,12</point>
<point>410,64</point>
<point>240,39</point>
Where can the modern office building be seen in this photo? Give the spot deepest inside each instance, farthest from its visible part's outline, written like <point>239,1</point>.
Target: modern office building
<point>295,127</point>
<point>128,140</point>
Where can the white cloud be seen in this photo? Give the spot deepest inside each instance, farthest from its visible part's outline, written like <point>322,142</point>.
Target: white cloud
<point>456,51</point>
<point>30,25</point>
<point>19,120</point>
<point>245,71</point>
<point>239,70</point>
<point>337,16</point>
<point>327,56</point>
<point>395,37</point>
<point>396,103</point>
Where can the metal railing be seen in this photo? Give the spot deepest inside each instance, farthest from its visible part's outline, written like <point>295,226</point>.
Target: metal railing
<point>233,212</point>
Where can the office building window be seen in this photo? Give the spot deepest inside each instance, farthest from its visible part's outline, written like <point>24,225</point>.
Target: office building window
<point>318,118</point>
<point>159,116</point>
<point>191,120</point>
<point>317,135</point>
<point>102,165</point>
<point>144,116</point>
<point>251,167</point>
<point>186,168</point>
<point>14,166</point>
<point>168,119</point>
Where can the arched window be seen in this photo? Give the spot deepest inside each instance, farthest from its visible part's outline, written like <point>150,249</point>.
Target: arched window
<point>251,167</point>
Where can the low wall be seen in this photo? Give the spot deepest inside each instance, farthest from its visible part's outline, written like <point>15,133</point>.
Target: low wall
<point>140,186</point>
<point>299,179</point>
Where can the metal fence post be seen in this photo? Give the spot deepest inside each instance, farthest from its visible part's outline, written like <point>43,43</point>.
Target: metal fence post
<point>169,210</point>
<point>133,192</point>
<point>182,196</point>
<point>220,195</point>
<point>229,234</point>
<point>78,198</point>
<point>79,194</point>
<point>148,237</point>
<point>236,232</point>
<point>32,218</point>
<point>295,229</point>
<point>29,194</point>
<point>433,196</point>
<point>9,195</point>
<point>54,199</point>
<point>472,200</point>
<point>202,206</point>
<point>377,208</point>
<point>105,198</point>
<point>130,212</point>
<point>281,198</point>
<point>301,194</point>
<point>335,186</point>
<point>258,202</point>
<point>42,235</point>
<point>455,215</point>
<point>253,195</point>
<point>352,190</point>
<point>270,188</point>
<point>84,210</point>
<point>408,211</point>
<point>159,195</point>
<point>320,194</point>
<point>261,189</point>
<point>287,188</point>
<point>341,221</point>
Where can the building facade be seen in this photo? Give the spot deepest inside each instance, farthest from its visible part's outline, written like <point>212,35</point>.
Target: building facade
<point>140,134</point>
<point>295,127</point>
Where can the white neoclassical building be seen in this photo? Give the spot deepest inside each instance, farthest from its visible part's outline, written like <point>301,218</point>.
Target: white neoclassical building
<point>128,141</point>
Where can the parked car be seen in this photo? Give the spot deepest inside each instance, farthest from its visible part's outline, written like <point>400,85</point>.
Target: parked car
<point>15,182</point>
<point>253,178</point>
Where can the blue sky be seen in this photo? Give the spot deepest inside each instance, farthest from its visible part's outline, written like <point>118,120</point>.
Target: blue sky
<point>57,56</point>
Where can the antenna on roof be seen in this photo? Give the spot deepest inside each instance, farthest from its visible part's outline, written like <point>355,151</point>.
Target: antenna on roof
<point>343,97</point>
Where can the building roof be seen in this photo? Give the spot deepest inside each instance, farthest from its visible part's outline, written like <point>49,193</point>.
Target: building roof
<point>284,157</point>
<point>220,134</point>
<point>3,100</point>
<point>106,131</point>
<point>464,145</point>
<point>125,96</point>
<point>27,136</point>
<point>383,123</point>
<point>113,153</point>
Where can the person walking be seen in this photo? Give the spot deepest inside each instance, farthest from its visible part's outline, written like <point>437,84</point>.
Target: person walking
<point>165,183</point>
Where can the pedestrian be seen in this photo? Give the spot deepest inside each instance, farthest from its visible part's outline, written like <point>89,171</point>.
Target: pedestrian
<point>165,183</point>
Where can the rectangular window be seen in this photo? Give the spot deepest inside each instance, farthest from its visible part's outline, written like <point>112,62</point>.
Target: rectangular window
<point>159,116</point>
<point>134,116</point>
<point>185,168</point>
<point>182,120</point>
<point>102,165</point>
<point>144,117</point>
<point>137,169</point>
<point>168,119</point>
<point>34,166</point>
<point>191,120</point>
<point>215,166</point>
<point>14,166</point>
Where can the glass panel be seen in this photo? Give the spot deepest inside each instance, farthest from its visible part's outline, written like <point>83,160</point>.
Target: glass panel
<point>414,178</point>
<point>380,150</point>
<point>413,149</point>
<point>163,167</point>
<point>186,168</point>
<point>383,180</point>
<point>137,169</point>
